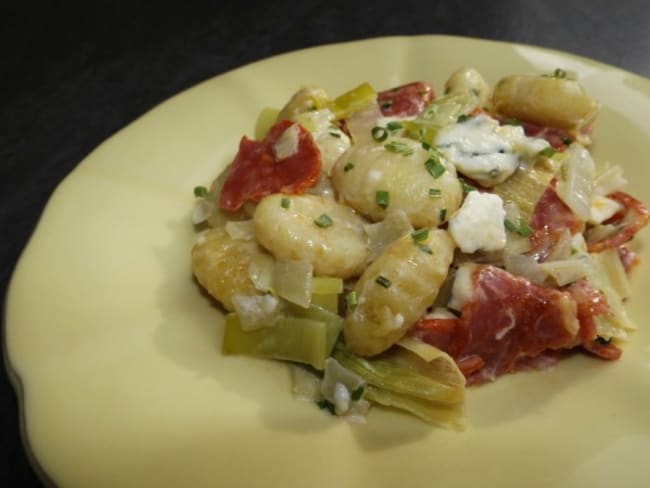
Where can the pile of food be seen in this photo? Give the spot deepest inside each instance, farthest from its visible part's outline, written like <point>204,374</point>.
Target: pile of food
<point>395,246</point>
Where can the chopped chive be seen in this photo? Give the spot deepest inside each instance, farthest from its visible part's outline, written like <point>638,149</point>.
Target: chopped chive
<point>462,118</point>
<point>326,405</point>
<point>559,73</point>
<point>323,221</point>
<point>510,121</point>
<point>382,197</point>
<point>379,134</point>
<point>383,281</point>
<point>420,234</point>
<point>356,394</point>
<point>566,141</point>
<point>522,229</point>
<point>443,214</point>
<point>426,146</point>
<point>425,248</point>
<point>574,251</point>
<point>466,187</point>
<point>285,202</point>
<point>399,148</point>
<point>510,225</point>
<point>547,152</point>
<point>393,126</point>
<point>351,299</point>
<point>434,167</point>
<point>435,193</point>
<point>335,134</point>
<point>386,104</point>
<point>200,191</point>
<point>348,167</point>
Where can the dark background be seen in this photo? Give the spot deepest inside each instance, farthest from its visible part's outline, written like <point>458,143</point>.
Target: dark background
<point>73,75</point>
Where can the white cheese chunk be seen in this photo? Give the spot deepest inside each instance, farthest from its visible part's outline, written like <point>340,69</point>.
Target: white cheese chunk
<point>485,151</point>
<point>478,223</point>
<point>462,289</point>
<point>287,144</point>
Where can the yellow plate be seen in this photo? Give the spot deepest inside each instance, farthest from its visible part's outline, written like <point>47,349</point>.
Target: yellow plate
<point>116,350</point>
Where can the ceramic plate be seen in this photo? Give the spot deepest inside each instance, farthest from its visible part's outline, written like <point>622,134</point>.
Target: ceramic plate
<point>117,352</point>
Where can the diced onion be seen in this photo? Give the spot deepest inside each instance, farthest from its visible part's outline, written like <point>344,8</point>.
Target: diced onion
<point>261,270</point>
<point>292,281</point>
<point>565,271</point>
<point>287,144</point>
<point>361,123</point>
<point>609,181</point>
<point>240,229</point>
<point>524,266</point>
<point>202,210</point>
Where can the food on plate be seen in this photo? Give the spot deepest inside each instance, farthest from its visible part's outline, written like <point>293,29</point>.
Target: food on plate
<point>395,247</point>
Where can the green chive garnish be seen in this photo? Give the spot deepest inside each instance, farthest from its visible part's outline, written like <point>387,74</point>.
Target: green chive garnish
<point>335,134</point>
<point>420,234</point>
<point>200,191</point>
<point>382,197</point>
<point>559,73</point>
<point>462,118</point>
<point>356,395</point>
<point>425,248</point>
<point>348,167</point>
<point>434,167</point>
<point>393,126</point>
<point>511,121</point>
<point>466,187</point>
<point>284,203</point>
<point>522,229</point>
<point>379,134</point>
<point>383,281</point>
<point>435,193</point>
<point>547,152</point>
<point>351,299</point>
<point>386,104</point>
<point>443,214</point>
<point>323,221</point>
<point>399,148</point>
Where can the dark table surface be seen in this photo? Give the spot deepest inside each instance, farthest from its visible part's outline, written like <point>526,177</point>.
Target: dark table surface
<point>72,76</point>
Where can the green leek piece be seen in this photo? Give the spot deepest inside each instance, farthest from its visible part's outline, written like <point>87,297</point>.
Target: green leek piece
<point>438,114</point>
<point>432,390</point>
<point>352,101</point>
<point>329,302</point>
<point>326,285</point>
<point>306,337</point>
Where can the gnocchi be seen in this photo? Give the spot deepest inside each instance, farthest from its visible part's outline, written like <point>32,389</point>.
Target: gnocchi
<point>220,264</point>
<point>288,226</point>
<point>396,289</point>
<point>545,100</point>
<point>366,170</point>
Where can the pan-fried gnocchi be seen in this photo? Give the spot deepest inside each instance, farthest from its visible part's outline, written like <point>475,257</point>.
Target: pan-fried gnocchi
<point>343,237</point>
<point>368,171</point>
<point>396,289</point>
<point>315,229</point>
<point>221,265</point>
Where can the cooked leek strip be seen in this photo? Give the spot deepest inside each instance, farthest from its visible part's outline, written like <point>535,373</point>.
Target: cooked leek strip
<point>565,271</point>
<point>352,101</point>
<point>609,262</point>
<point>438,114</point>
<point>525,187</point>
<point>433,390</point>
<point>433,413</point>
<point>305,339</point>
<point>576,181</point>
<point>325,285</point>
<point>325,292</point>
<point>600,278</point>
